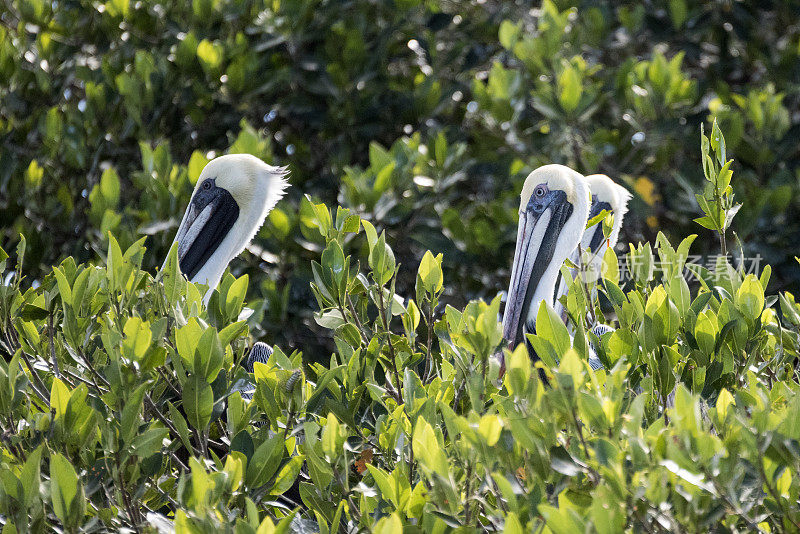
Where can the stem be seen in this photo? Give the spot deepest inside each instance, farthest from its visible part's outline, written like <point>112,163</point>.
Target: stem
<point>642,520</point>
<point>429,367</point>
<point>202,441</point>
<point>483,379</point>
<point>581,273</point>
<point>38,386</point>
<point>52,346</point>
<point>361,330</point>
<point>160,416</point>
<point>411,466</point>
<point>397,394</point>
<point>95,375</point>
<point>774,493</point>
<point>291,416</point>
<point>133,515</point>
<point>752,525</point>
<point>467,511</point>
<point>593,475</point>
<point>81,379</point>
<point>168,381</point>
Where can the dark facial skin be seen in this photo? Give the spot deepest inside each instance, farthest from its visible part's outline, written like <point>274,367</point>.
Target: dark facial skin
<point>597,237</point>
<point>541,200</point>
<point>225,212</point>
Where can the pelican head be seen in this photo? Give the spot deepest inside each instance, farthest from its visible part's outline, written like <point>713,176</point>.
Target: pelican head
<point>554,207</point>
<point>609,196</point>
<point>231,199</point>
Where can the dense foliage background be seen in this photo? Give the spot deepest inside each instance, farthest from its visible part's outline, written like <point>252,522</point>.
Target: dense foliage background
<point>422,116</point>
<point>120,403</point>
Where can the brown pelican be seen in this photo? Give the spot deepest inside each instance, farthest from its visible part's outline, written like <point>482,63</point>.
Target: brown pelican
<point>606,195</point>
<point>554,208</point>
<point>231,199</point>
<point>233,196</point>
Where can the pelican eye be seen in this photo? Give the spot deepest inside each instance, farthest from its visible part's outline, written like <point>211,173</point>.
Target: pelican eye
<point>207,185</point>
<point>539,192</point>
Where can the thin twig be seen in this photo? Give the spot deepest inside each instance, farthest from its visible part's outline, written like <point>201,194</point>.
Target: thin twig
<point>38,386</point>
<point>593,475</point>
<point>429,367</point>
<point>356,319</point>
<point>382,310</point>
<point>160,416</point>
<point>774,493</point>
<point>126,498</point>
<point>53,358</point>
<point>467,510</point>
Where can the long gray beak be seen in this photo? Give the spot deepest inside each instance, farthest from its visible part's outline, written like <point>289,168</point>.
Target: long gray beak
<point>209,217</point>
<point>536,242</point>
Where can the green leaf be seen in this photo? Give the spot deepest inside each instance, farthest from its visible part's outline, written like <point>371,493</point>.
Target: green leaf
<point>234,468</point>
<point>372,234</point>
<point>489,428</point>
<point>706,330</point>
<point>186,341</point>
<point>180,425</point>
<point>235,297</point>
<point>549,326</point>
<point>717,141</point>
<point>724,402</point>
<point>137,338</point>
<point>381,260</point>
<point>66,492</point>
<point>678,12</point>
<point>750,297</point>
<point>607,512</point>
<point>426,447</point>
<point>611,266</point>
<point>33,175</point>
<point>265,461</point>
<point>379,157</point>
<point>228,334</point>
<point>22,245</point>
<point>209,356</point>
<point>509,34</point>
<point>513,525</point>
<point>287,475</point>
<point>389,525</point>
<point>110,187</point>
<point>384,483</point>
<point>570,88</point>
<point>198,399</point>
<point>63,286</point>
<point>560,521</point>
<point>149,442</point>
<point>210,55</point>
<point>130,418</point>
<point>430,272</point>
<point>322,217</point>
<point>333,260</point>
<point>332,437</point>
<point>197,163</point>
<point>114,266</point>
<point>59,397</point>
<point>31,476</point>
<point>118,8</point>
<point>174,282</point>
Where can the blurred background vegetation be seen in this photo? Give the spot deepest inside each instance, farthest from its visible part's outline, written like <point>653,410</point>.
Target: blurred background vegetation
<point>423,116</point>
